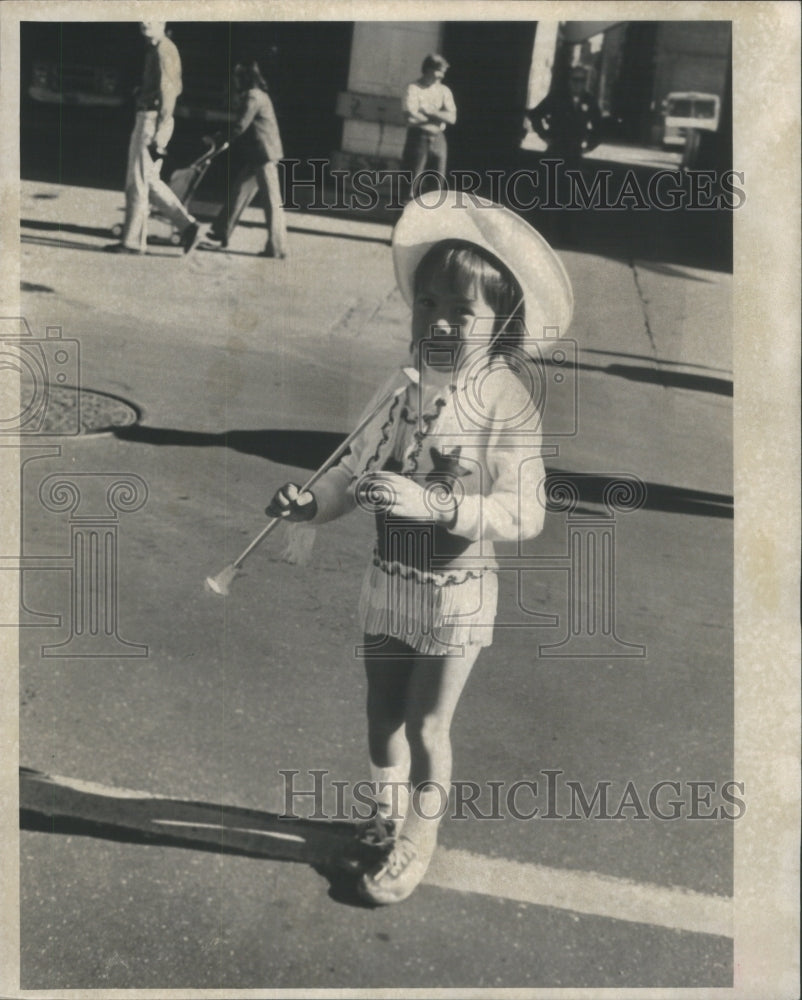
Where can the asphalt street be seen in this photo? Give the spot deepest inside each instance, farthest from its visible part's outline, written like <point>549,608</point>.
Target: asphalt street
<point>151,852</point>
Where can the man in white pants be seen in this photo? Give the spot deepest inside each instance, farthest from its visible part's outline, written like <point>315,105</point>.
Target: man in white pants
<point>161,85</point>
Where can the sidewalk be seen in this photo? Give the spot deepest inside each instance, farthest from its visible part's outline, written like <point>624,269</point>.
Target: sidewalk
<point>612,152</point>
<point>244,370</point>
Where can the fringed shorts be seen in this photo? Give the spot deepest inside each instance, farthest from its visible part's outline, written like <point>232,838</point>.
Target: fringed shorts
<point>434,613</point>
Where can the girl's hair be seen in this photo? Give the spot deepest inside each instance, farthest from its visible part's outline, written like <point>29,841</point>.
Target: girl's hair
<point>467,267</point>
<point>248,75</point>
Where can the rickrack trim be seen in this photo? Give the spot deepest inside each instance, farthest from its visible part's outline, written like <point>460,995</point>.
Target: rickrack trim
<point>385,435</point>
<point>410,464</point>
<point>393,568</point>
<point>427,419</point>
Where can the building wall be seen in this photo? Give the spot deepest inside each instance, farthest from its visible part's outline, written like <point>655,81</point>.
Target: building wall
<point>385,57</point>
<point>637,66</point>
<point>542,66</point>
<point>491,63</point>
<point>690,55</point>
<point>610,67</point>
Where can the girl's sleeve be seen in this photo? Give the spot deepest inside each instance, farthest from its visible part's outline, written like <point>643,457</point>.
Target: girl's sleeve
<point>509,505</point>
<point>334,490</point>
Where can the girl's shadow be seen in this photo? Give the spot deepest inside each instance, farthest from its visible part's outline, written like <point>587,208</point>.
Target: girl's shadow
<point>50,804</point>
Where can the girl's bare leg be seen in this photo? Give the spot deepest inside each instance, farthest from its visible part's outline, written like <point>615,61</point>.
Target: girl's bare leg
<point>388,670</point>
<point>428,688</point>
<point>433,691</point>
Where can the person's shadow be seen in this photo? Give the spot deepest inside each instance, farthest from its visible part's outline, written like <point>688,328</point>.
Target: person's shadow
<point>54,805</point>
<point>309,449</point>
<point>302,449</point>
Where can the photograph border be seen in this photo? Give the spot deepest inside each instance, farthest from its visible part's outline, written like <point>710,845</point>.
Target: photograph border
<point>766,364</point>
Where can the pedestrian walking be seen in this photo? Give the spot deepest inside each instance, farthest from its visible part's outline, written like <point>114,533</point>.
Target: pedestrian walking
<point>429,107</point>
<point>153,129</point>
<point>448,468</point>
<point>257,130</point>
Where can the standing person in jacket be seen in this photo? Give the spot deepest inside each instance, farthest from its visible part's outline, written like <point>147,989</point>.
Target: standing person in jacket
<point>429,106</point>
<point>568,121</point>
<point>448,469</point>
<point>257,129</point>
<point>153,129</point>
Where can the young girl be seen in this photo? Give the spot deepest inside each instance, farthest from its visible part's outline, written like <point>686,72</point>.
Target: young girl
<point>450,467</point>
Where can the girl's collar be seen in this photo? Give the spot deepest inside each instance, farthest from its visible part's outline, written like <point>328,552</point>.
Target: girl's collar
<point>449,382</point>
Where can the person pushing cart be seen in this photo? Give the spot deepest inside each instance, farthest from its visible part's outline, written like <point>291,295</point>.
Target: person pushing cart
<point>256,129</point>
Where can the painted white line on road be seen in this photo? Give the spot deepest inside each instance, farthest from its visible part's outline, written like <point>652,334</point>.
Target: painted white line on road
<point>88,787</point>
<point>227,829</point>
<point>583,892</point>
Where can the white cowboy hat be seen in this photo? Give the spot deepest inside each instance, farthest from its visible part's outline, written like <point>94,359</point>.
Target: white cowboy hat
<point>455,215</point>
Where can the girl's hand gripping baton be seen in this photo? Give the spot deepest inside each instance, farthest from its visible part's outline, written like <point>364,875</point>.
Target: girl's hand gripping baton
<point>219,584</point>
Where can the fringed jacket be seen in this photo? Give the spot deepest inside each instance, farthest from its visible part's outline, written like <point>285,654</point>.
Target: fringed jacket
<point>477,439</point>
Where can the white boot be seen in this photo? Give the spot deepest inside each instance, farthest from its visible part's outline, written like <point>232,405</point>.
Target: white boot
<point>398,874</point>
<point>391,792</point>
<point>375,838</point>
<point>429,804</point>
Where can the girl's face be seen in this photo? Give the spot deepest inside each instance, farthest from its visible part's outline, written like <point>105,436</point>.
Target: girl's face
<point>445,317</point>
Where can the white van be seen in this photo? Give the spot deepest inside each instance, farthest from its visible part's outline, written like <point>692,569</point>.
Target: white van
<point>683,110</point>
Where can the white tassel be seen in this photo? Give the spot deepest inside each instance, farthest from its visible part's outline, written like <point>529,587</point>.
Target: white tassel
<point>300,540</point>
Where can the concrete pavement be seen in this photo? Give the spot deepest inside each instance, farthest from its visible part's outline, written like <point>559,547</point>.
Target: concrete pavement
<point>238,365</point>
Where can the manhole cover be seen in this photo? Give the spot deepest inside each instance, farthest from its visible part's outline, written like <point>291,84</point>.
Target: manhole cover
<point>83,411</point>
